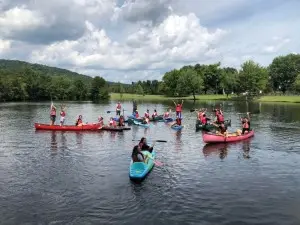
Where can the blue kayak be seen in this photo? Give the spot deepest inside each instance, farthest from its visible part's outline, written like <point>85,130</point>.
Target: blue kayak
<point>141,124</point>
<point>176,127</point>
<point>139,170</point>
<point>168,120</point>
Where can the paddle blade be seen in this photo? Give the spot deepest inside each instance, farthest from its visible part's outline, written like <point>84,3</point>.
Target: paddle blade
<point>161,141</point>
<point>158,163</point>
<point>192,110</point>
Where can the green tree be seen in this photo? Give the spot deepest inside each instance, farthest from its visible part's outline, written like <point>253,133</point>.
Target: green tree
<point>122,90</point>
<point>98,84</point>
<point>252,78</point>
<point>79,90</point>
<point>296,84</point>
<point>190,82</point>
<point>139,89</point>
<point>228,80</point>
<point>211,77</point>
<point>170,80</point>
<point>284,70</point>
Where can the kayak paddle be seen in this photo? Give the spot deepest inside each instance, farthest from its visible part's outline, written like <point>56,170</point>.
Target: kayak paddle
<point>155,140</point>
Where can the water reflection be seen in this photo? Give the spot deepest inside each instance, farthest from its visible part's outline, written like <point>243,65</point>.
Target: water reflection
<point>220,149</point>
<point>79,137</point>
<point>63,141</point>
<point>178,142</point>
<point>53,145</point>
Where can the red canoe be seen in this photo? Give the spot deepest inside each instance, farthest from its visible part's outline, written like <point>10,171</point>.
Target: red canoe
<point>92,126</point>
<point>214,138</point>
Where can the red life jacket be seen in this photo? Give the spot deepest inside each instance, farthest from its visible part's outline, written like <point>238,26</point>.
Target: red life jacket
<point>203,120</point>
<point>220,118</point>
<point>119,106</point>
<point>246,124</point>
<point>147,115</point>
<point>200,115</point>
<point>178,121</point>
<point>154,114</point>
<point>79,121</point>
<point>137,115</point>
<point>178,108</point>
<point>166,114</point>
<point>53,112</point>
<point>62,113</point>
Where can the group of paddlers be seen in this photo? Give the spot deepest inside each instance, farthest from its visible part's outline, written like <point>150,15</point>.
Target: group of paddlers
<point>219,121</point>
<point>79,121</point>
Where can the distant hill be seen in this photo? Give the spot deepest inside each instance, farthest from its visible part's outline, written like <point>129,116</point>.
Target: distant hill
<point>15,66</point>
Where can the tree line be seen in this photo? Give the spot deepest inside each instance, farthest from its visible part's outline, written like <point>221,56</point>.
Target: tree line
<point>282,75</point>
<point>28,83</point>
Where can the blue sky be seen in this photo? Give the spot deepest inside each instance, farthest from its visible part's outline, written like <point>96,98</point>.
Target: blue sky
<point>128,40</point>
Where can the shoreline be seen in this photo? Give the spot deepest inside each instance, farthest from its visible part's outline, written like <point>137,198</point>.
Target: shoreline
<point>266,98</point>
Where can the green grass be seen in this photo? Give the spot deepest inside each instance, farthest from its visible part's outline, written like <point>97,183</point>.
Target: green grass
<point>291,98</point>
<point>117,96</point>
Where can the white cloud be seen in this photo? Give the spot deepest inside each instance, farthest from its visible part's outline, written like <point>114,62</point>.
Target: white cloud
<point>176,39</point>
<point>146,38</point>
<point>4,46</point>
<point>19,18</point>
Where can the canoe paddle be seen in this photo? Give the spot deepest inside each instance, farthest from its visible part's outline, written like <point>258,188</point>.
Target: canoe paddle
<point>155,140</point>
<point>109,111</point>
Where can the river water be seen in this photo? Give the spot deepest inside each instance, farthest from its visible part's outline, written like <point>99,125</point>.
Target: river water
<point>82,178</point>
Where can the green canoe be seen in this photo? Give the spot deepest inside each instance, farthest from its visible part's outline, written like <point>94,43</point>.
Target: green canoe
<point>209,127</point>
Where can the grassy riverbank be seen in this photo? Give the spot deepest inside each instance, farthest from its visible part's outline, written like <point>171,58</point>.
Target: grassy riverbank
<point>291,98</point>
<point>129,97</point>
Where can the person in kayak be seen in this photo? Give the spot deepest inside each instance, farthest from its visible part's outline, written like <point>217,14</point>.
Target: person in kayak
<point>62,115</point>
<point>204,119</point>
<point>112,122</point>
<point>121,121</point>
<point>79,121</point>
<point>200,114</point>
<point>145,120</point>
<point>137,114</point>
<point>246,123</point>
<point>52,114</point>
<point>143,145</point>
<point>137,155</point>
<point>166,115</point>
<point>118,109</point>
<point>178,108</point>
<point>134,107</point>
<point>100,120</point>
<point>154,114</point>
<point>177,121</point>
<point>147,114</point>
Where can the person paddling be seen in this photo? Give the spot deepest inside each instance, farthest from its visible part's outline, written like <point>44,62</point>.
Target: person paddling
<point>52,114</point>
<point>147,114</point>
<point>246,123</point>
<point>137,155</point>
<point>166,115</point>
<point>137,114</point>
<point>62,115</point>
<point>178,108</point>
<point>118,109</point>
<point>112,122</point>
<point>121,121</point>
<point>79,121</point>
<point>154,114</point>
<point>100,120</point>
<point>143,145</point>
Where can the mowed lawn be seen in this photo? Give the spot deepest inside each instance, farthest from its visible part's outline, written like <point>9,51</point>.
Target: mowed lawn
<point>283,98</point>
<point>126,96</point>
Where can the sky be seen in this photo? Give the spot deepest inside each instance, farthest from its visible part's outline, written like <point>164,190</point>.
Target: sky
<point>130,40</point>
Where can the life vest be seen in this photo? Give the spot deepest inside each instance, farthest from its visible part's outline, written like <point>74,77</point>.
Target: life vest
<point>178,121</point>
<point>119,106</point>
<point>111,122</point>
<point>114,123</point>
<point>246,124</point>
<point>220,118</point>
<point>147,115</point>
<point>178,108</point>
<point>53,112</point>
<point>62,114</point>
<point>79,121</point>
<point>203,120</point>
<point>154,114</point>
<point>166,114</point>
<point>200,115</point>
<point>137,115</point>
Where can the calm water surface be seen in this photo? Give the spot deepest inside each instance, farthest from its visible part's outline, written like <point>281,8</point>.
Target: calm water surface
<point>82,178</point>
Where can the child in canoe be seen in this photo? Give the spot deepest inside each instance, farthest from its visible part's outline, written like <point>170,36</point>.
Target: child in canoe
<point>112,122</point>
<point>138,156</point>
<point>121,121</point>
<point>79,121</point>
<point>245,124</point>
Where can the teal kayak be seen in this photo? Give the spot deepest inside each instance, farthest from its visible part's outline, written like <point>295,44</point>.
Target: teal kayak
<point>176,127</point>
<point>139,170</point>
<point>141,124</point>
